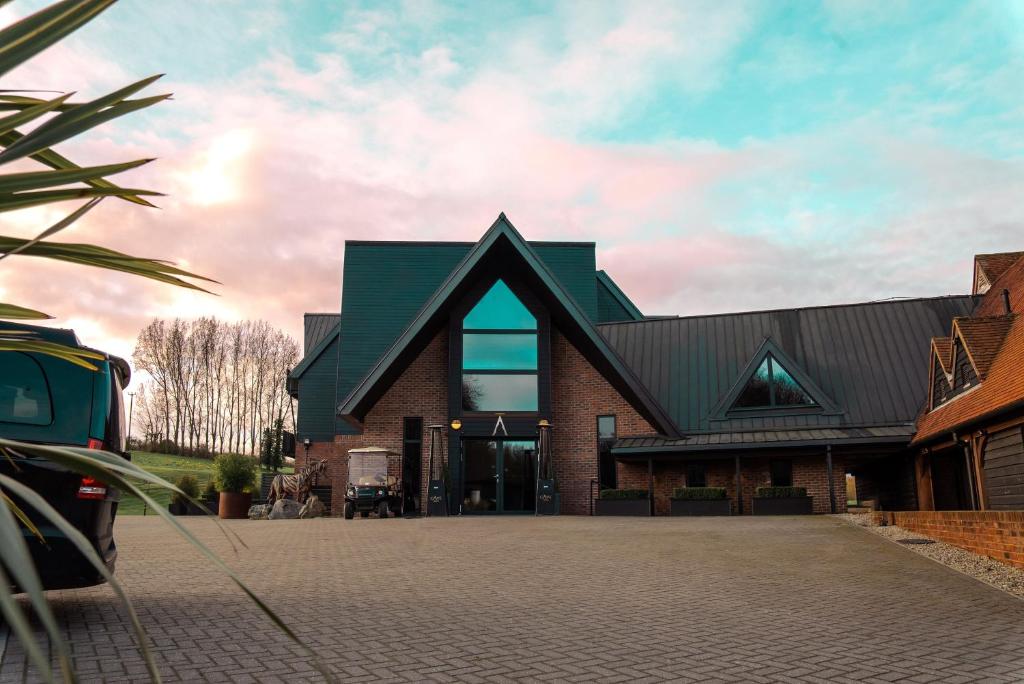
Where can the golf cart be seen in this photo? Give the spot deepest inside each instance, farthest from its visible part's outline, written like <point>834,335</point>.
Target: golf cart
<point>370,488</point>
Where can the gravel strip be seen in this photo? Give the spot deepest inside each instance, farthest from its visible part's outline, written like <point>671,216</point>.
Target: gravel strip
<point>988,570</point>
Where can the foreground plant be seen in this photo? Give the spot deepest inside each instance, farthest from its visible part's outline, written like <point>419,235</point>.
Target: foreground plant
<point>54,121</point>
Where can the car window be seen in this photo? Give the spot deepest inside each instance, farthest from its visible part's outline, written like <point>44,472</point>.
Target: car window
<point>116,429</point>
<point>24,394</point>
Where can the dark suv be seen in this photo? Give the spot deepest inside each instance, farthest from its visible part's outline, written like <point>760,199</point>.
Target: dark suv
<point>47,400</point>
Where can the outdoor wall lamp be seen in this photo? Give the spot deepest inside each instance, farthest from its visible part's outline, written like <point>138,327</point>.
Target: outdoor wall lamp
<point>456,424</point>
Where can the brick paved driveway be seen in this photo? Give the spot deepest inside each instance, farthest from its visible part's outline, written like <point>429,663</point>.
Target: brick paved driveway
<point>578,599</point>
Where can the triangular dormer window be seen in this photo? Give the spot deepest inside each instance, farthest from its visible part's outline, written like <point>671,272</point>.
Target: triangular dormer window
<point>772,386</point>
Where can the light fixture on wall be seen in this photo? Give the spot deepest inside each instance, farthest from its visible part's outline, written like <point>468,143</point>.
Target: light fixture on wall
<point>456,424</point>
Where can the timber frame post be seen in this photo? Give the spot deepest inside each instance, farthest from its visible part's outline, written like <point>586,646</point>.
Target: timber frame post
<point>923,480</point>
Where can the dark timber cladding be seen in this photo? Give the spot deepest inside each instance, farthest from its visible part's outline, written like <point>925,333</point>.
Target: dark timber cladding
<point>868,359</point>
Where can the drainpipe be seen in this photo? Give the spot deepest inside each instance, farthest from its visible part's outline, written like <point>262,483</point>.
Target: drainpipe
<point>739,488</point>
<point>650,484</point>
<point>831,485</point>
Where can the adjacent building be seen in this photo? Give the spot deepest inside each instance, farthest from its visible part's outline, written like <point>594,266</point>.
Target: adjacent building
<point>488,339</point>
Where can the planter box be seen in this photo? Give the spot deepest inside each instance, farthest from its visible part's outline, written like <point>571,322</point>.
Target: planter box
<point>234,506</point>
<point>213,503</point>
<point>798,505</point>
<point>187,508</point>
<point>638,507</point>
<point>701,507</point>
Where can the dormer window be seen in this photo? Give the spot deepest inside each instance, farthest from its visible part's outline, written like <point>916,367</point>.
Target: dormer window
<point>772,386</point>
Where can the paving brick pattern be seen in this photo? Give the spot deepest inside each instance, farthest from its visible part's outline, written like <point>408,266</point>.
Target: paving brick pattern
<point>552,599</point>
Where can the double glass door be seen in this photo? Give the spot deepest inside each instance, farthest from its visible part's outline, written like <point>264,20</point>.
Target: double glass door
<point>499,475</point>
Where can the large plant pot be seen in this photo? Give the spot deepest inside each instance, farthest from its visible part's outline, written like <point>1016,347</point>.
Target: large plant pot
<point>797,505</point>
<point>701,507</point>
<point>234,505</point>
<point>637,507</point>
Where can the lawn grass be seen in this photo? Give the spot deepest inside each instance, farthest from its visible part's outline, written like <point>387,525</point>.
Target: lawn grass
<point>170,468</point>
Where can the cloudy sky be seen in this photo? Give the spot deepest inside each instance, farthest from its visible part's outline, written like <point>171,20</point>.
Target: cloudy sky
<point>723,155</point>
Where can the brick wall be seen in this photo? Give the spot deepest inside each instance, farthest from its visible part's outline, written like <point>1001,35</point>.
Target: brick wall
<point>996,534</point>
<point>420,392</point>
<point>808,471</point>
<point>579,395</point>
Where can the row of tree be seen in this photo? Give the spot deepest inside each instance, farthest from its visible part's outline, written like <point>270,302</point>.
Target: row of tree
<point>213,386</point>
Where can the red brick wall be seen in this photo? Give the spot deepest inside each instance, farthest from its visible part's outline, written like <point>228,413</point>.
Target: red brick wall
<point>420,392</point>
<point>996,534</point>
<point>579,395</point>
<point>808,471</point>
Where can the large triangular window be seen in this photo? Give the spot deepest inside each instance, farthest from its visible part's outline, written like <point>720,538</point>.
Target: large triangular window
<point>772,386</point>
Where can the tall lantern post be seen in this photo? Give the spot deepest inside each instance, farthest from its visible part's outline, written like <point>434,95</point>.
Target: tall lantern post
<point>547,498</point>
<point>437,494</point>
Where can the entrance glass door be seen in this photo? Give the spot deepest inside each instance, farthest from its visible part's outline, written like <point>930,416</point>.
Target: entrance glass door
<point>499,476</point>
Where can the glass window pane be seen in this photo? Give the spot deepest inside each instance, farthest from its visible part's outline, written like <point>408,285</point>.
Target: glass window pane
<point>499,309</point>
<point>782,473</point>
<point>499,392</point>
<point>756,393</point>
<point>499,352</point>
<point>787,391</point>
<point>606,427</point>
<point>24,396</point>
<point>696,475</point>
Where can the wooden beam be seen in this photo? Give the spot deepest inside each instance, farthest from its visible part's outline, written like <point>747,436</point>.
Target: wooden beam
<point>977,445</point>
<point>650,483</point>
<point>739,488</point>
<point>923,479</point>
<point>831,484</point>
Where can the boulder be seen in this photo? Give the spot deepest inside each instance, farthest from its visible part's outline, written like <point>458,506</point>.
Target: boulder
<point>313,508</point>
<point>259,512</point>
<point>285,509</point>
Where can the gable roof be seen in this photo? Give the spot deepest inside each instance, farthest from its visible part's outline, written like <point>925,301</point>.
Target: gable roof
<point>316,326</point>
<point>992,266</point>
<point>995,342</point>
<point>870,359</point>
<point>942,347</point>
<point>503,242</point>
<point>768,347</point>
<point>612,302</point>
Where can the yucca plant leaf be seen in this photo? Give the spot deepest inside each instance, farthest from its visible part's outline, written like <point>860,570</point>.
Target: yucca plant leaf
<point>38,31</point>
<point>71,123</point>
<point>23,200</point>
<point>75,355</point>
<point>17,100</point>
<point>15,618</point>
<point>101,465</point>
<point>101,257</point>
<point>15,312</point>
<point>33,180</point>
<point>17,560</point>
<point>55,228</point>
<point>12,121</point>
<point>41,506</point>
<point>21,515</point>
<point>57,161</point>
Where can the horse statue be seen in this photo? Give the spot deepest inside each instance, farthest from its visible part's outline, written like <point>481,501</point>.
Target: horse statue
<point>297,485</point>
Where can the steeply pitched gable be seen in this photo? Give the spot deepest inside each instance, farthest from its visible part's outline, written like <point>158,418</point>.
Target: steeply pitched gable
<point>501,244</point>
<point>612,302</point>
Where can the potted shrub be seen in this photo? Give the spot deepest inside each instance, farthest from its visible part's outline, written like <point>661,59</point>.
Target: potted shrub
<point>235,475</point>
<point>622,502</point>
<point>782,501</point>
<point>181,504</point>
<point>700,501</point>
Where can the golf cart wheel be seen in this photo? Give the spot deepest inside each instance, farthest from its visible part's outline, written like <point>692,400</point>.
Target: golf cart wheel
<point>364,514</point>
<point>383,510</point>
<point>350,510</point>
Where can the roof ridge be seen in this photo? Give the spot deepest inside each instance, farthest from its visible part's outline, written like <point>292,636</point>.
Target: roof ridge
<point>902,300</point>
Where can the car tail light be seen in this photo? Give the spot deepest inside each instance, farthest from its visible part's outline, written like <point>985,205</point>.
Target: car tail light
<point>91,488</point>
<point>94,444</point>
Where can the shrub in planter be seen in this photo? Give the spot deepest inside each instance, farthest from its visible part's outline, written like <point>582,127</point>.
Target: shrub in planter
<point>622,502</point>
<point>700,501</point>
<point>780,492</point>
<point>211,497</point>
<point>609,494</point>
<point>235,475</point>
<point>180,503</point>
<point>698,493</point>
<point>782,501</point>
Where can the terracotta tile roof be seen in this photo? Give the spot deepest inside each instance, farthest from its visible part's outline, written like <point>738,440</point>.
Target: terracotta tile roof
<point>994,265</point>
<point>982,337</point>
<point>943,348</point>
<point>995,342</point>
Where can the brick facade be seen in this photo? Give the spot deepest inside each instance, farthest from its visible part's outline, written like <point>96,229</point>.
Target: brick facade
<point>996,534</point>
<point>579,395</point>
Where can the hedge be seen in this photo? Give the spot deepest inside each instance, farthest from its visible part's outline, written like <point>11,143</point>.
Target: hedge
<point>698,493</point>
<point>623,493</point>
<point>780,492</point>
